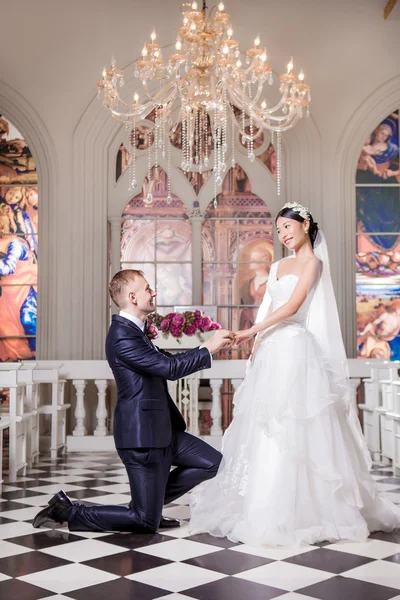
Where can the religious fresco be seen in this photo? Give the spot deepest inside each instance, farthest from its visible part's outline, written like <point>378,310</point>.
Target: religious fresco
<point>379,159</point>
<point>378,272</point>
<point>18,246</point>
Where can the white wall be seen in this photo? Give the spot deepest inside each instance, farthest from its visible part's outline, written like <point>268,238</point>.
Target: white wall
<point>51,54</point>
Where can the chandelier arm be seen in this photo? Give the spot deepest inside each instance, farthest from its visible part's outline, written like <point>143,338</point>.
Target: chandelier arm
<point>244,98</point>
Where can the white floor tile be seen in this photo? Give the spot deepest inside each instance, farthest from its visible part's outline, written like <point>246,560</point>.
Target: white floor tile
<point>176,577</point>
<point>178,550</point>
<point>285,576</point>
<point>173,597</point>
<point>54,488</point>
<point>70,577</point>
<point>115,479</point>
<point>10,530</point>
<point>10,549</point>
<point>117,488</point>
<point>87,549</point>
<point>381,572</point>
<point>177,532</point>
<point>86,534</point>
<point>295,596</point>
<point>183,499</point>
<point>39,501</point>
<point>64,479</point>
<point>21,514</point>
<point>177,512</point>
<point>371,548</point>
<point>273,552</point>
<point>110,499</point>
<point>4,577</point>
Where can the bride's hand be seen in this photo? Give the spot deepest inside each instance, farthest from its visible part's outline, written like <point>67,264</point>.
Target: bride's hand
<point>243,336</point>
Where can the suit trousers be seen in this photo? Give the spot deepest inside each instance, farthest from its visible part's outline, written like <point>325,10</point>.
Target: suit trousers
<point>152,484</point>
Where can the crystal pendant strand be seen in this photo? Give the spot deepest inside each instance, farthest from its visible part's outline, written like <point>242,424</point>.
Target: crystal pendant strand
<point>169,197</point>
<point>206,130</point>
<point>200,140</point>
<point>149,198</point>
<point>278,161</point>
<point>233,162</point>
<point>156,136</point>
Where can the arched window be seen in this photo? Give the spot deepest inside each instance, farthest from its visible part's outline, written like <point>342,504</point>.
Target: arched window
<point>237,245</point>
<point>378,243</point>
<point>158,240</point>
<point>18,246</point>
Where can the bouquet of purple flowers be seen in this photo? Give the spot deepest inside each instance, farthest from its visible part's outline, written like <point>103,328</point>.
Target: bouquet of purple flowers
<point>177,324</point>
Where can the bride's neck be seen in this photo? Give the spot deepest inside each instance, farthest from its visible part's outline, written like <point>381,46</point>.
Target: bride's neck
<point>304,251</point>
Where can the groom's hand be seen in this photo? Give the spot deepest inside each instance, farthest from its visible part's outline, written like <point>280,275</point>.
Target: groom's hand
<point>222,338</point>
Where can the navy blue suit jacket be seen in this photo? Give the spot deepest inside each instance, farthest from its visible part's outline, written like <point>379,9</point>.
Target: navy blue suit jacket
<point>145,414</point>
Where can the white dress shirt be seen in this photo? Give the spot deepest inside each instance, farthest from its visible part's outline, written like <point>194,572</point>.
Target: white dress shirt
<point>135,320</point>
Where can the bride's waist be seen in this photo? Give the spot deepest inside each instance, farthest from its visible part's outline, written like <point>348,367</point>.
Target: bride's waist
<point>286,329</point>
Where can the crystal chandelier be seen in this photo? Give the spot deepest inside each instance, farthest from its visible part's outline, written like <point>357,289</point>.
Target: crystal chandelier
<point>206,90</point>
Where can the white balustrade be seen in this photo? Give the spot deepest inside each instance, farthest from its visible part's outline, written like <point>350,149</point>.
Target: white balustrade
<point>91,410</point>
<point>19,420</point>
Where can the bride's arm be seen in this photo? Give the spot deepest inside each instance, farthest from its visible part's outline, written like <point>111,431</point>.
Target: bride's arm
<point>306,281</point>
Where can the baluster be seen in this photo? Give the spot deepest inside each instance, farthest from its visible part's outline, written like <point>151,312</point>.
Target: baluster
<point>101,412</point>
<point>216,410</point>
<point>80,414</point>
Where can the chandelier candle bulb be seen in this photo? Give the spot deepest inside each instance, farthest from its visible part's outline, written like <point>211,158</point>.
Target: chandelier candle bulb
<point>301,75</point>
<point>290,66</point>
<point>221,7</point>
<point>257,41</point>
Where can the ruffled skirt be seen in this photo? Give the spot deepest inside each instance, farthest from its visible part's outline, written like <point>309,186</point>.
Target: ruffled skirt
<point>295,466</point>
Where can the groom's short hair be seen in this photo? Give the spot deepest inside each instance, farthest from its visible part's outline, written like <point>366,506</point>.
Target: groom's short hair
<point>121,279</point>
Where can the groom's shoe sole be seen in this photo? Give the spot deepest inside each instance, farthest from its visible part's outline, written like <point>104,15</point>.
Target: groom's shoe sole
<point>167,523</point>
<point>46,513</point>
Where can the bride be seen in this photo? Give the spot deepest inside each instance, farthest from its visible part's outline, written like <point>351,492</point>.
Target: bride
<point>295,465</point>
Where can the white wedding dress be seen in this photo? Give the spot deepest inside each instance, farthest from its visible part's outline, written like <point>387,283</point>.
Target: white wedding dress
<point>295,466</point>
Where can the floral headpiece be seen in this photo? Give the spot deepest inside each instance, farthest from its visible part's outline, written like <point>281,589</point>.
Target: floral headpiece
<point>303,211</point>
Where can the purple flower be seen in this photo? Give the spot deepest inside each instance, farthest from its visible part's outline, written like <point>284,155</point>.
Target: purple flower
<point>178,319</point>
<point>165,323</point>
<point>198,314</point>
<point>190,329</point>
<point>206,324</point>
<point>215,326</point>
<point>176,331</point>
<point>152,331</point>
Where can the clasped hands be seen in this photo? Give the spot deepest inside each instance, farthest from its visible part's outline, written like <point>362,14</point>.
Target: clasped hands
<point>223,338</point>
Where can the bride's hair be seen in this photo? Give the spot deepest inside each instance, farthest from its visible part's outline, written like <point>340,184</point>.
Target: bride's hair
<point>296,216</point>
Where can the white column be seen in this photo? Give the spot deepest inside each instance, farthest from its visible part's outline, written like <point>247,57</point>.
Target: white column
<point>196,218</point>
<point>80,414</point>
<point>115,223</point>
<point>216,410</point>
<point>101,412</point>
<point>354,382</point>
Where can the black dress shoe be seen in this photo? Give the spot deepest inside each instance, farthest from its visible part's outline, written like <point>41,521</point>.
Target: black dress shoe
<point>167,523</point>
<point>57,510</point>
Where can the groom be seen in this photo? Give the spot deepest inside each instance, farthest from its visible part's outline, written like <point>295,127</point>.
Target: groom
<point>149,430</point>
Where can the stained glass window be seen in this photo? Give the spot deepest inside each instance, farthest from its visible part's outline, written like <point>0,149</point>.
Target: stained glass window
<point>378,243</point>
<point>18,246</point>
<point>158,240</point>
<point>237,246</point>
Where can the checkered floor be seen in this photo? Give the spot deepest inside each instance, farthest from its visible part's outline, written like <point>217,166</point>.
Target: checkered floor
<point>53,563</point>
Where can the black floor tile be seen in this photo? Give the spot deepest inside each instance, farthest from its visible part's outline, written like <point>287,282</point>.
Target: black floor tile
<point>234,589</point>
<point>9,505</point>
<point>393,536</point>
<point>343,588</point>
<point>120,589</point>
<point>87,493</point>
<point>14,589</point>
<point>331,561</point>
<point>4,521</point>
<point>20,494</point>
<point>131,541</point>
<point>227,562</point>
<point>45,539</point>
<point>205,538</point>
<point>395,559</point>
<point>127,563</point>
<point>390,480</point>
<point>31,562</point>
